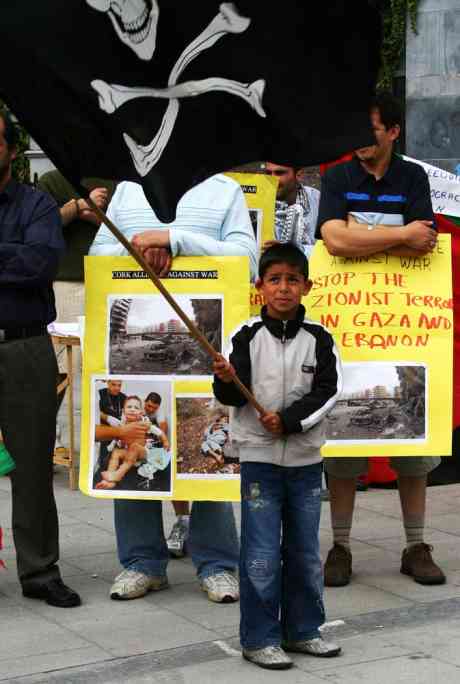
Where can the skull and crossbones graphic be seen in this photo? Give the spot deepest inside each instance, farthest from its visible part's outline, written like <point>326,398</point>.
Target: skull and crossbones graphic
<point>135,23</point>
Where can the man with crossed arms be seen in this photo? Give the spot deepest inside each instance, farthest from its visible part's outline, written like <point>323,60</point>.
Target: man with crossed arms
<point>378,202</point>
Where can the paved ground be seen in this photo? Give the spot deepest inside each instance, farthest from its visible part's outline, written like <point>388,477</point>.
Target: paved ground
<point>391,629</point>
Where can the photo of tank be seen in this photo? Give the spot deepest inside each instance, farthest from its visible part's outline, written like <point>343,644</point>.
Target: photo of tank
<point>146,336</point>
<point>380,401</point>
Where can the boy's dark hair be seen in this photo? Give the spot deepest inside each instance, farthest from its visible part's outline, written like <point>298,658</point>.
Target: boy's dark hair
<point>11,133</point>
<point>284,253</point>
<point>389,109</point>
<point>154,398</point>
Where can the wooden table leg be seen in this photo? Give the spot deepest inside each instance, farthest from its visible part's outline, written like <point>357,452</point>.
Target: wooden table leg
<point>73,472</point>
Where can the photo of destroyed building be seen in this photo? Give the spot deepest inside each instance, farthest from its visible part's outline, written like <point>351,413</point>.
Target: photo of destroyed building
<point>380,401</point>
<point>146,336</point>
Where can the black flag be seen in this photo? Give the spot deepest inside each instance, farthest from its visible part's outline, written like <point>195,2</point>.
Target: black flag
<point>168,92</point>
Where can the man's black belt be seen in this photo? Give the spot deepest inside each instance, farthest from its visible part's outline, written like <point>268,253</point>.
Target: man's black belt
<point>9,334</point>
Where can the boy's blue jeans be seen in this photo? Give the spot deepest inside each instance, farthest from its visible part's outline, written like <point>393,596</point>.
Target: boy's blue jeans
<point>280,565</point>
<point>212,542</point>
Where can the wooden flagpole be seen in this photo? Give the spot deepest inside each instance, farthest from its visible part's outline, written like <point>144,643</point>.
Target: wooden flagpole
<point>201,339</point>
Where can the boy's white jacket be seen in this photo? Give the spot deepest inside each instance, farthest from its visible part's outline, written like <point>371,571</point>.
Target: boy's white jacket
<point>293,369</point>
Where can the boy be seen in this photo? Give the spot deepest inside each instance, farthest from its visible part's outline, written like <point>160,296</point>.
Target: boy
<point>293,369</point>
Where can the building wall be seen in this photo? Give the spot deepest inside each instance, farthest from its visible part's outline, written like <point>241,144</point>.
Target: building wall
<point>433,85</point>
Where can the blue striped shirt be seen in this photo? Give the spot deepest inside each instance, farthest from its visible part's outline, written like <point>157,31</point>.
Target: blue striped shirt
<point>212,219</point>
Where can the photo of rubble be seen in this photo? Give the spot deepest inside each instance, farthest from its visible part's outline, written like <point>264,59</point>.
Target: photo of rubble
<point>147,337</point>
<point>380,401</point>
<point>203,440</point>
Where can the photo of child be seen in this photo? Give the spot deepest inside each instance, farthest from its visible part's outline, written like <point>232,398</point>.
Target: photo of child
<point>149,457</point>
<point>132,419</point>
<point>203,438</point>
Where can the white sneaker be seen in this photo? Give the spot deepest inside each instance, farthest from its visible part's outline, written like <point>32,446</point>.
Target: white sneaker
<point>130,584</point>
<point>222,587</point>
<point>318,647</point>
<point>270,657</point>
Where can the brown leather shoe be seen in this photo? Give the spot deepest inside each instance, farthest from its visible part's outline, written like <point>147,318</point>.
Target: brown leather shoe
<point>337,568</point>
<point>417,562</point>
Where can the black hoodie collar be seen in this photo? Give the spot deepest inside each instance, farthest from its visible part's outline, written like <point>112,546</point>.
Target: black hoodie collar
<point>284,330</point>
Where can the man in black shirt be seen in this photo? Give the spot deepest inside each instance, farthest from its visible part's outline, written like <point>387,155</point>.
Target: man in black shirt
<point>30,245</point>
<point>378,202</point>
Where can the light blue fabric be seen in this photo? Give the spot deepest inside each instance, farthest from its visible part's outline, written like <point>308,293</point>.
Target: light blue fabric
<point>212,220</point>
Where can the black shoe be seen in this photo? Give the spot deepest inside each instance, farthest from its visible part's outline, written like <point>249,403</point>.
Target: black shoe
<point>54,592</point>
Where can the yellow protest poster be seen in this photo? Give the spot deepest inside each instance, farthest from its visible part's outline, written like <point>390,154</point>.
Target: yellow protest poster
<point>392,319</point>
<point>260,194</point>
<point>151,427</point>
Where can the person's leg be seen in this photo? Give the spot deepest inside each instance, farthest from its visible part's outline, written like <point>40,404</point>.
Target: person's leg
<point>302,609</point>
<point>28,420</point>
<point>114,460</point>
<point>412,494</point>
<point>262,498</point>
<point>342,477</point>
<point>412,479</point>
<point>115,472</point>
<point>213,539</point>
<point>141,543</point>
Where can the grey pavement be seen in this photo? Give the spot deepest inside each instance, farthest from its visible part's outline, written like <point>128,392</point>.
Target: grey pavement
<point>391,629</point>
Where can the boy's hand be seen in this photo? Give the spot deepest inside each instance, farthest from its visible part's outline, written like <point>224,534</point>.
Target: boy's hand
<point>223,369</point>
<point>272,423</point>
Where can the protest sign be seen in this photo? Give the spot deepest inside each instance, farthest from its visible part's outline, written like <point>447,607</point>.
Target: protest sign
<point>140,361</point>
<point>444,187</point>
<point>392,320</point>
<point>260,195</point>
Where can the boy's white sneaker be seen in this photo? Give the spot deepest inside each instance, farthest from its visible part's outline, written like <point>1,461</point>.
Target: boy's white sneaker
<point>131,584</point>
<point>318,647</point>
<point>270,657</point>
<point>222,587</point>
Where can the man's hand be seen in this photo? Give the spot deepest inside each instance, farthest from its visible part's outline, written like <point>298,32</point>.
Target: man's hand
<point>150,238</point>
<point>159,259</point>
<point>223,369</point>
<point>133,432</point>
<point>100,197</point>
<point>272,423</point>
<point>420,235</point>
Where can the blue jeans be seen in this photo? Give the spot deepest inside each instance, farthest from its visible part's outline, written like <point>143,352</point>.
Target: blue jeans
<point>278,501</point>
<point>212,541</point>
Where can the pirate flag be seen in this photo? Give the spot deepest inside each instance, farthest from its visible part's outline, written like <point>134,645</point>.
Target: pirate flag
<point>168,92</point>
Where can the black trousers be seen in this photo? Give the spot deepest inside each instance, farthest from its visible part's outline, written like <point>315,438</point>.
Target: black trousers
<point>28,403</point>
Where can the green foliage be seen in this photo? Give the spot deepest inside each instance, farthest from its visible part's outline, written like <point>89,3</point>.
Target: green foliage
<point>395,14</point>
<point>21,166</point>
